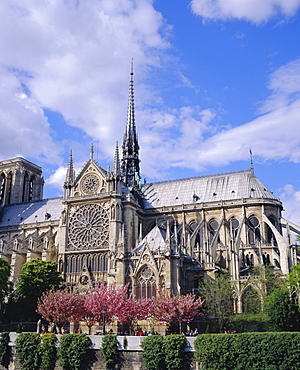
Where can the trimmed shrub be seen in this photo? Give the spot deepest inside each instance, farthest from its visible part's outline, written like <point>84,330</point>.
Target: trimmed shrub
<point>255,351</point>
<point>5,350</point>
<point>249,322</point>
<point>109,351</point>
<point>48,351</point>
<point>153,352</point>
<point>73,350</point>
<point>27,350</point>
<point>174,351</point>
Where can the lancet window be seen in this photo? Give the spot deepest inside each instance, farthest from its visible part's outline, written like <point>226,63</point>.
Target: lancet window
<point>254,235</point>
<point>96,263</point>
<point>146,285</point>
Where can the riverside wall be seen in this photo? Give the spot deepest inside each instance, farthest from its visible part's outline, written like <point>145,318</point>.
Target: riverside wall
<point>131,356</point>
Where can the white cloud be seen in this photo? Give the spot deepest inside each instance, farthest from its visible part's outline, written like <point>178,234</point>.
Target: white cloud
<point>177,138</point>
<point>291,200</point>
<point>255,11</point>
<point>72,57</point>
<point>25,131</point>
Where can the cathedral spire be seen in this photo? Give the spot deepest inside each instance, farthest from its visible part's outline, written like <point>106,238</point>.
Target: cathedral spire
<point>70,172</point>
<point>92,152</point>
<point>130,160</point>
<point>116,168</point>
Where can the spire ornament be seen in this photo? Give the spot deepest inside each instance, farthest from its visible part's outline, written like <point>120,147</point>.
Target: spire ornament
<point>130,159</point>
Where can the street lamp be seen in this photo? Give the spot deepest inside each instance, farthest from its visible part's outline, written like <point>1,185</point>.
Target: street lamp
<point>103,320</point>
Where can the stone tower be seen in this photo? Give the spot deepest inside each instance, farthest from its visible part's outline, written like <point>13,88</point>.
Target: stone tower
<point>20,181</point>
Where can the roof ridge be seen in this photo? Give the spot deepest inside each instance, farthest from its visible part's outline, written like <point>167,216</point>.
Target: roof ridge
<point>200,177</point>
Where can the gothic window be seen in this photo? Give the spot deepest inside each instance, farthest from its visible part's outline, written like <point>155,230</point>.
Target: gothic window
<point>25,187</point>
<point>2,188</point>
<point>146,286</point>
<point>30,189</point>
<point>270,236</point>
<point>89,228</point>
<point>234,227</point>
<point>192,227</point>
<point>266,258</point>
<point>212,228</point>
<point>249,260</point>
<point>9,183</point>
<point>253,230</point>
<point>113,212</point>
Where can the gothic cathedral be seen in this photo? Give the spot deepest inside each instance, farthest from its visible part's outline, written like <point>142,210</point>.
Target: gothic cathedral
<point>110,226</point>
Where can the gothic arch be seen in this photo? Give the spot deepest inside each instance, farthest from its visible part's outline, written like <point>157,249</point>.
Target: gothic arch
<point>146,283</point>
<point>2,187</point>
<point>254,233</point>
<point>252,299</point>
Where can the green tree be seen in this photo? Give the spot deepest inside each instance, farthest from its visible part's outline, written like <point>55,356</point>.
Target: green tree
<point>293,279</point>
<point>217,295</point>
<point>282,310</point>
<point>5,286</point>
<point>36,277</point>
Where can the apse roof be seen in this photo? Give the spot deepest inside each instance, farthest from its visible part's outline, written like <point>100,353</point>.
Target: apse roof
<point>31,212</point>
<point>209,188</point>
<point>155,239</point>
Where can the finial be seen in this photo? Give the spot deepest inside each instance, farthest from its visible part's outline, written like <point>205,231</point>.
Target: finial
<point>251,160</point>
<point>92,152</point>
<point>131,71</point>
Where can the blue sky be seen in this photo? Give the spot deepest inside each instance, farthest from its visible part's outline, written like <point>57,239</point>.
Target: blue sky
<point>213,78</point>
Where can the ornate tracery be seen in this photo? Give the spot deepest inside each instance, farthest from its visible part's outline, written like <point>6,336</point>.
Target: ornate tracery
<point>89,228</point>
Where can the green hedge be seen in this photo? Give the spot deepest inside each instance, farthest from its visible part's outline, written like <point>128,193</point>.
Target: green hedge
<point>73,350</point>
<point>109,351</point>
<point>27,350</point>
<point>164,353</point>
<point>5,350</point>
<point>255,351</point>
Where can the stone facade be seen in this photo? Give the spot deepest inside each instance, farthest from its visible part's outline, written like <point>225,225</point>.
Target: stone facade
<point>110,226</point>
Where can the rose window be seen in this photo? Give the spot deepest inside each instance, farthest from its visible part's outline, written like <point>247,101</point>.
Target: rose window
<point>89,228</point>
<point>90,184</point>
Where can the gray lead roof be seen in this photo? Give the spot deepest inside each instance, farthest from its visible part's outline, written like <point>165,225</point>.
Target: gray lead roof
<point>31,212</point>
<point>210,188</point>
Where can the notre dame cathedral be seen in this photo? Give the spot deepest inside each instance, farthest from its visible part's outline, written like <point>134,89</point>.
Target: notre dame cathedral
<point>110,226</point>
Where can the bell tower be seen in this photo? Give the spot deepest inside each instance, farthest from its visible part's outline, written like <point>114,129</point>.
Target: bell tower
<point>20,181</point>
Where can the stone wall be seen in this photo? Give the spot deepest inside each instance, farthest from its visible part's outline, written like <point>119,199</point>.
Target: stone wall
<point>131,357</point>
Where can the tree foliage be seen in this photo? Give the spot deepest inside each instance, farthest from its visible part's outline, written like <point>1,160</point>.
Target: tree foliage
<point>27,350</point>
<point>281,309</point>
<point>73,351</point>
<point>217,294</point>
<point>176,309</point>
<point>5,286</point>
<point>109,351</point>
<point>153,352</point>
<point>61,307</point>
<point>38,277</point>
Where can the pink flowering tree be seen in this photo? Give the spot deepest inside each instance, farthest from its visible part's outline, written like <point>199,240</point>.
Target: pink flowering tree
<point>132,309</point>
<point>103,303</point>
<point>61,307</point>
<point>176,309</point>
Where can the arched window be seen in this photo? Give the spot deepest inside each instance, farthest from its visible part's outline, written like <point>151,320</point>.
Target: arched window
<point>9,184</point>
<point>25,188</point>
<point>234,227</point>
<point>30,190</point>
<point>253,230</point>
<point>192,227</point>
<point>212,228</point>
<point>146,286</point>
<point>270,236</point>
<point>251,301</point>
<point>2,188</point>
<point>249,260</point>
